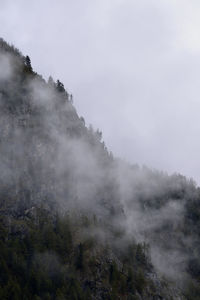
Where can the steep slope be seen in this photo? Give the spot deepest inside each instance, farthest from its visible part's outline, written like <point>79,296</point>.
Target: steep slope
<point>77,223</point>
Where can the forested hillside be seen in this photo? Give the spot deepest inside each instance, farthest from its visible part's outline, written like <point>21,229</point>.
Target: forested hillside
<point>75,222</point>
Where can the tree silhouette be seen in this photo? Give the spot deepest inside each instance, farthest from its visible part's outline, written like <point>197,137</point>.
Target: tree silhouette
<point>60,86</point>
<point>28,63</point>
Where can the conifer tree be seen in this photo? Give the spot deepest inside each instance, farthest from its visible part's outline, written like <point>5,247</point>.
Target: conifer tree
<point>28,63</point>
<point>60,86</point>
<point>51,82</point>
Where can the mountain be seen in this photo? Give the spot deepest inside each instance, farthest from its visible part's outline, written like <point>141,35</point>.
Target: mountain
<point>75,222</point>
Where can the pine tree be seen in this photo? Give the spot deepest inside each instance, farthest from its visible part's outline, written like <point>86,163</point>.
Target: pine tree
<point>28,63</point>
<point>60,86</point>
<point>51,82</point>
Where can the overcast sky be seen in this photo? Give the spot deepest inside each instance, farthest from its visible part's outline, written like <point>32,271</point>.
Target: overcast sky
<point>133,67</point>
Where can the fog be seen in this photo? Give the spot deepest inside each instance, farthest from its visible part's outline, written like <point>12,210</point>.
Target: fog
<point>48,156</point>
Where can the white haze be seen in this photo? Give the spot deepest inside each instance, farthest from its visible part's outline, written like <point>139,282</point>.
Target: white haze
<point>72,172</point>
<point>133,67</point>
<point>75,158</point>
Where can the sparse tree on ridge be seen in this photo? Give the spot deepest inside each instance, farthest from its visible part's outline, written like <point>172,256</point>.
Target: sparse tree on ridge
<point>60,86</point>
<point>28,63</point>
<point>51,82</point>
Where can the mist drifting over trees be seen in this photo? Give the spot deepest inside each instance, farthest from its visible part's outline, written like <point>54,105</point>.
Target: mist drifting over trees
<point>77,223</point>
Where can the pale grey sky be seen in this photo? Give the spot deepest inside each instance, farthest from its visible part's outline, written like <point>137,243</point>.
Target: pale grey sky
<point>132,66</point>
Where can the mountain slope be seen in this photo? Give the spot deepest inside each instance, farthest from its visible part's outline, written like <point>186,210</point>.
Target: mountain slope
<point>77,223</point>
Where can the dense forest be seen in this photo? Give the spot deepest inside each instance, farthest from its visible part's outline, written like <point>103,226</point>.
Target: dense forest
<point>76,222</point>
